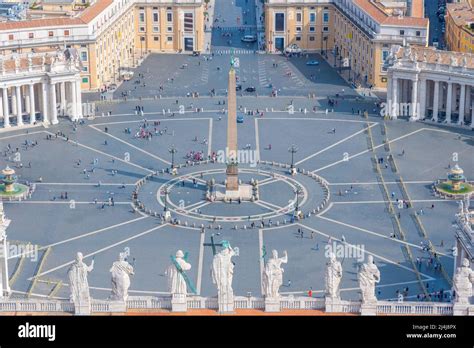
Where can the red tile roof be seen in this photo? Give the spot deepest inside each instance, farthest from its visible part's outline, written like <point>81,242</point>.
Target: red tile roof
<point>85,17</point>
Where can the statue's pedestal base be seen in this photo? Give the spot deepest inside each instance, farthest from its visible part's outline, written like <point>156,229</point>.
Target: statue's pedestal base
<point>369,308</point>
<point>118,306</point>
<point>226,307</point>
<point>272,305</point>
<point>84,309</point>
<point>167,216</point>
<point>179,303</point>
<point>333,305</point>
<point>244,193</point>
<point>462,309</point>
<point>293,171</point>
<point>174,171</point>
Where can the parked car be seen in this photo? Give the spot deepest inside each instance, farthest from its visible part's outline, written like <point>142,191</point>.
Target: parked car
<point>196,53</point>
<point>240,118</point>
<point>238,88</point>
<point>249,38</point>
<point>312,63</point>
<point>250,89</point>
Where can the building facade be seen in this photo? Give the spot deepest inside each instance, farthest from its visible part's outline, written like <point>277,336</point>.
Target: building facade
<point>110,36</point>
<point>460,27</point>
<point>426,84</point>
<point>359,33</point>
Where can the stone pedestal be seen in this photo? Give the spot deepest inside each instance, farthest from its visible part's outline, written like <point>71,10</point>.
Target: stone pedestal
<point>179,303</point>
<point>167,216</point>
<point>272,305</point>
<point>82,309</point>
<point>226,304</point>
<point>174,171</point>
<point>333,305</point>
<point>293,171</point>
<point>118,306</point>
<point>462,309</point>
<point>368,308</point>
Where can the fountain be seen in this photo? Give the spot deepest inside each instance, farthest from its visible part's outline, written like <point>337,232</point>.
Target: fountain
<point>456,186</point>
<point>9,188</point>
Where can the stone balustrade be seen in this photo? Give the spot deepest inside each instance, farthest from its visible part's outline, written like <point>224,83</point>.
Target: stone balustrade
<point>240,302</point>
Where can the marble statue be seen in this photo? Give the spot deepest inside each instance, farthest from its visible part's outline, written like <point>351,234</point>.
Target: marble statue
<point>407,52</point>
<point>333,276</point>
<point>273,274</point>
<point>78,281</point>
<point>462,282</point>
<point>176,282</point>
<point>425,57</point>
<point>17,63</point>
<point>464,62</point>
<point>454,61</point>
<point>368,276</point>
<point>438,58</point>
<point>121,271</point>
<point>223,272</point>
<point>30,60</point>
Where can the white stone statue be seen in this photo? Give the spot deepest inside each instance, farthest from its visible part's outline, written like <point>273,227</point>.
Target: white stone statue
<point>223,272</point>
<point>462,282</point>
<point>454,60</point>
<point>425,57</point>
<point>78,281</point>
<point>368,276</point>
<point>333,276</point>
<point>438,58</point>
<point>121,271</point>
<point>273,275</point>
<point>176,282</point>
<point>407,52</point>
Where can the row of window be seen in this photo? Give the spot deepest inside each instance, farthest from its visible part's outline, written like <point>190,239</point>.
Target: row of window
<point>280,22</point>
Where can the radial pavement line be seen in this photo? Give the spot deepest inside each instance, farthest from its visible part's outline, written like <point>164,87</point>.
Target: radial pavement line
<point>99,251</point>
<point>131,145</point>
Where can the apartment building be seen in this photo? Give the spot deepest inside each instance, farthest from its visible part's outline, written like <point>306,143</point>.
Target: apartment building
<point>460,26</point>
<point>111,35</point>
<point>358,33</point>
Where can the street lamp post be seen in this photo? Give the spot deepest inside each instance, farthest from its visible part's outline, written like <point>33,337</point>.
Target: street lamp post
<point>293,149</point>
<point>297,212</point>
<point>172,150</point>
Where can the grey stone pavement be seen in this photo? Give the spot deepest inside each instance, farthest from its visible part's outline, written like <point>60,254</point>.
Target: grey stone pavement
<point>356,211</point>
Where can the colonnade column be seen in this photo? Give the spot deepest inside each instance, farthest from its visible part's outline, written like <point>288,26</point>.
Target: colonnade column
<point>19,110</point>
<point>449,102</point>
<point>436,101</point>
<point>6,110</point>
<point>53,104</point>
<point>73,94</point>
<point>32,104</point>
<point>78,99</point>
<point>414,101</point>
<point>422,108</point>
<point>394,106</point>
<point>44,101</point>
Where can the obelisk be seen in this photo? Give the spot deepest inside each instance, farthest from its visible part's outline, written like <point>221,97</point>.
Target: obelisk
<point>232,186</point>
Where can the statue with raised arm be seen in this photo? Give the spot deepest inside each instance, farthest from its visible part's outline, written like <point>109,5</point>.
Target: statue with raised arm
<point>223,273</point>
<point>78,284</point>
<point>273,275</point>
<point>462,283</point>
<point>175,272</point>
<point>368,276</point>
<point>121,271</point>
<point>333,276</point>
